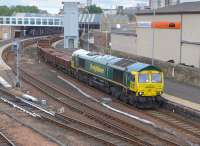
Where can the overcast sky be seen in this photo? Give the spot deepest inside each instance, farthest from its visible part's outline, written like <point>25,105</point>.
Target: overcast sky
<point>53,6</point>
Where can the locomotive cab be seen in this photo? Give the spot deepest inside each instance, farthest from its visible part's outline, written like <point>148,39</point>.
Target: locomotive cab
<point>146,80</point>
<point>150,83</point>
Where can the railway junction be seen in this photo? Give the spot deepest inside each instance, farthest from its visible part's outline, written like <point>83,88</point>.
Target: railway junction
<point>51,107</point>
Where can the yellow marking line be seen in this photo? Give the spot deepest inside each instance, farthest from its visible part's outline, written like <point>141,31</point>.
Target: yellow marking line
<point>183,102</point>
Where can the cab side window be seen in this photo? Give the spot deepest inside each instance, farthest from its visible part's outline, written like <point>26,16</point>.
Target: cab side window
<point>131,78</point>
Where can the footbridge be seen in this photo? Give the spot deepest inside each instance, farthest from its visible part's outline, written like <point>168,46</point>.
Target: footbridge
<point>93,20</point>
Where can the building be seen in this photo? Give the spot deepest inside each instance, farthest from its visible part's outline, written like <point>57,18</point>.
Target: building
<point>180,45</point>
<point>124,39</point>
<point>110,11</point>
<point>5,32</point>
<point>110,21</point>
<point>71,25</point>
<point>155,4</point>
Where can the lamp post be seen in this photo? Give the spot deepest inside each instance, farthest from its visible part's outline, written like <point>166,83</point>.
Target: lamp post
<point>88,27</point>
<point>108,31</point>
<point>153,43</point>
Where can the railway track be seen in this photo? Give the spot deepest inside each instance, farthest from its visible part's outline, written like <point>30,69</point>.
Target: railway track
<point>104,136</point>
<point>123,128</point>
<point>183,126</point>
<point>5,141</point>
<point>188,128</point>
<point>175,121</point>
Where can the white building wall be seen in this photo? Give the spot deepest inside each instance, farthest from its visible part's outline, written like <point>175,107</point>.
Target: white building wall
<point>167,41</point>
<point>167,45</point>
<point>191,34</point>
<point>191,27</point>
<point>191,54</point>
<point>124,43</point>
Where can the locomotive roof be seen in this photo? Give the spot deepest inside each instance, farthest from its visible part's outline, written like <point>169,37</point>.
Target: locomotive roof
<point>138,67</point>
<point>115,62</point>
<point>96,57</point>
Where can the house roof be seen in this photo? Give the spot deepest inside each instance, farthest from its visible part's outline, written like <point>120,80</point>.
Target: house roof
<point>90,18</point>
<point>183,8</point>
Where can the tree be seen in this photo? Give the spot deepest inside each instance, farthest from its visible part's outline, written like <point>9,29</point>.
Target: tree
<point>93,9</point>
<point>8,11</point>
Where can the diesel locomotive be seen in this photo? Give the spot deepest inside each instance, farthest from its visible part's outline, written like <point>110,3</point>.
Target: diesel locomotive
<point>136,83</point>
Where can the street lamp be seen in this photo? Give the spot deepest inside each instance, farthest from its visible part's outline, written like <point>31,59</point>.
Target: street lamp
<point>88,27</point>
<point>153,43</point>
<point>108,31</point>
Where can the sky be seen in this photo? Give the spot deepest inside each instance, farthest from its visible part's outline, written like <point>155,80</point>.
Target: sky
<point>53,6</point>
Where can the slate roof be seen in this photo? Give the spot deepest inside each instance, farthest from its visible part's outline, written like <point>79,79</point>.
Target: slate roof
<point>90,18</point>
<point>183,8</point>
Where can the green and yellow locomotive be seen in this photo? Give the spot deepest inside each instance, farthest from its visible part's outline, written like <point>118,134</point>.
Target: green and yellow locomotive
<point>134,82</point>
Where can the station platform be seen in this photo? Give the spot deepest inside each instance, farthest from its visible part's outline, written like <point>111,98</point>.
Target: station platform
<point>182,102</point>
<point>182,96</point>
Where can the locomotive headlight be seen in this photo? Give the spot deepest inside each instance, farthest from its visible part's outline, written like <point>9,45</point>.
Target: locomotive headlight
<point>159,93</point>
<point>141,93</point>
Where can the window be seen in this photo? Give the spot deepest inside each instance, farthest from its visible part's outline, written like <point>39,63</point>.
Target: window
<point>156,78</point>
<point>7,20</point>
<point>131,78</point>
<point>61,22</point>
<point>38,21</point>
<point>1,20</point>
<point>50,21</point>
<point>13,20</point>
<point>57,21</point>
<point>44,21</point>
<point>19,20</point>
<point>32,21</point>
<point>143,78</point>
<point>25,20</point>
<point>81,62</point>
